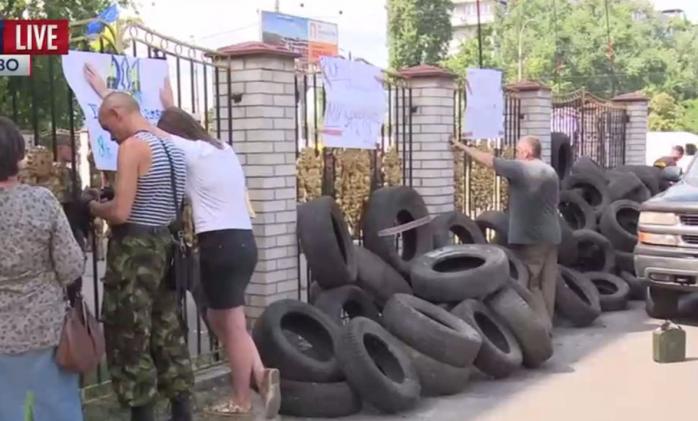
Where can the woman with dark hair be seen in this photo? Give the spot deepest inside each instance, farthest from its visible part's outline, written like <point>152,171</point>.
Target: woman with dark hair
<point>39,258</point>
<point>228,253</point>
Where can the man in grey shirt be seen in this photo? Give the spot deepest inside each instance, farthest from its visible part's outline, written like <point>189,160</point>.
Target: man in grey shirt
<point>534,223</point>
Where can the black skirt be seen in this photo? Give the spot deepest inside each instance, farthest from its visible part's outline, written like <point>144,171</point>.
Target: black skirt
<point>228,258</point>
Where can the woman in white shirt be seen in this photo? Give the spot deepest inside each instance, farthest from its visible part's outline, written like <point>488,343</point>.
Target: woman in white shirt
<point>216,188</point>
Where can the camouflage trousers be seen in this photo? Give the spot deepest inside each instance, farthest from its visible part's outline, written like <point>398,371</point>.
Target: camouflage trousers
<point>146,351</point>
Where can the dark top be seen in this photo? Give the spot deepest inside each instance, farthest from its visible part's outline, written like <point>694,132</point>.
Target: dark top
<point>534,191</point>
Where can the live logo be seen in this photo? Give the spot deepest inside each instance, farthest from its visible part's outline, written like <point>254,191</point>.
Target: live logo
<point>35,37</point>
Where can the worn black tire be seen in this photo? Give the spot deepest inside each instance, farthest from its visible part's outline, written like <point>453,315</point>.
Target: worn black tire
<point>518,271</point>
<point>595,252</point>
<point>347,302</point>
<point>638,288</point>
<point>594,189</point>
<point>527,326</point>
<point>437,378</point>
<point>576,298</point>
<point>576,211</point>
<point>378,278</point>
<point>318,400</point>
<point>625,262</point>
<point>587,166</point>
<point>377,366</point>
<point>568,250</point>
<point>619,224</point>
<point>275,345</point>
<point>627,186</point>
<point>500,354</point>
<point>561,157</point>
<point>391,206</point>
<point>649,175</point>
<point>455,273</point>
<point>496,221</point>
<point>314,290</point>
<point>431,330</point>
<point>464,229</point>
<point>613,290</point>
<point>662,303</point>
<point>326,242</point>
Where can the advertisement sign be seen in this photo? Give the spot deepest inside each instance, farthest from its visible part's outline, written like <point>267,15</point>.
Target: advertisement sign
<point>143,78</point>
<point>311,39</point>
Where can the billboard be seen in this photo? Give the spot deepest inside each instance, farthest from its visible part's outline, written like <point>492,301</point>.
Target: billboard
<point>311,39</point>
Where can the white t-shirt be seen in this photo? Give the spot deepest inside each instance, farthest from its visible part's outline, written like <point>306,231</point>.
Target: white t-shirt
<point>215,186</point>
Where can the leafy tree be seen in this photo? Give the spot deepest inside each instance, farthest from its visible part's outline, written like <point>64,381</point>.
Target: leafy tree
<point>418,31</point>
<point>689,119</point>
<point>665,113</point>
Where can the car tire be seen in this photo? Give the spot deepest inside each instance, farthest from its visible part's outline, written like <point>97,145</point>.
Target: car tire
<point>464,229</point>
<point>593,189</point>
<point>431,330</point>
<point>595,252</point>
<point>437,378</point>
<point>455,273</point>
<point>619,224</point>
<point>561,156</point>
<point>627,186</point>
<point>528,328</point>
<point>496,221</point>
<point>576,211</point>
<point>377,278</point>
<point>649,175</point>
<point>638,288</point>
<point>318,400</point>
<point>278,350</point>
<point>314,290</point>
<point>345,303</point>
<point>587,166</point>
<point>500,354</point>
<point>391,206</point>
<point>613,290</point>
<point>576,298</point>
<point>568,250</point>
<point>625,261</point>
<point>662,303</point>
<point>377,366</point>
<point>518,271</point>
<point>326,243</point>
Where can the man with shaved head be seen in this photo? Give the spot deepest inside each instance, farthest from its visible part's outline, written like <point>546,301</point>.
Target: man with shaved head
<point>534,222</point>
<point>146,351</point>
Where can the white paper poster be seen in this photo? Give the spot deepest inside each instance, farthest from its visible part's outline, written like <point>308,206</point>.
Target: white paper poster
<point>484,112</point>
<point>355,103</point>
<point>142,77</point>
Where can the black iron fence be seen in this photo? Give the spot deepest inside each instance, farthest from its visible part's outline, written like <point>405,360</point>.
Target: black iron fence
<point>349,175</point>
<point>477,188</point>
<point>596,128</point>
<point>44,108</point>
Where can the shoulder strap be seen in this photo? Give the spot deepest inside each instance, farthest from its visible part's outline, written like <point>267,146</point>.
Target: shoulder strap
<point>173,183</point>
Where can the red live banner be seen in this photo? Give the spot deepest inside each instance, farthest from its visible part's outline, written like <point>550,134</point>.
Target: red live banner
<point>35,36</point>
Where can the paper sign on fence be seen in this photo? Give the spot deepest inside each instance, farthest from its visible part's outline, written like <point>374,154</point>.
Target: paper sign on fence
<point>355,103</point>
<point>484,112</point>
<point>143,78</point>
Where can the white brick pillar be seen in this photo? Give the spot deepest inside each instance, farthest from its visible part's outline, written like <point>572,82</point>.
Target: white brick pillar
<point>536,108</point>
<point>432,126</point>
<point>264,137</point>
<point>637,108</point>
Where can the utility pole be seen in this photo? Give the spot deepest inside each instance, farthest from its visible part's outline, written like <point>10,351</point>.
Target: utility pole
<point>479,33</point>
<point>277,5</point>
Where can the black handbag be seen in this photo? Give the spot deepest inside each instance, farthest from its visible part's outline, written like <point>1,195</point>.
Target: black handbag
<point>178,273</point>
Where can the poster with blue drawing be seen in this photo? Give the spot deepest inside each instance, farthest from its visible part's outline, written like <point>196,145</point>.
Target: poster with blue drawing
<point>141,77</point>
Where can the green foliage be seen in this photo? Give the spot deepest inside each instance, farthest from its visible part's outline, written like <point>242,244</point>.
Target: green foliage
<point>665,113</point>
<point>567,47</point>
<point>418,31</point>
<point>689,119</point>
<point>29,407</point>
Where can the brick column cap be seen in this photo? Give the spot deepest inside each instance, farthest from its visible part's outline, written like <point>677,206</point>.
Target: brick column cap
<point>426,71</point>
<point>636,96</point>
<point>527,86</point>
<point>253,48</point>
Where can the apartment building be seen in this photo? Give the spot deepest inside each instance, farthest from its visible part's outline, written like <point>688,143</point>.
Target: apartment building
<point>464,19</point>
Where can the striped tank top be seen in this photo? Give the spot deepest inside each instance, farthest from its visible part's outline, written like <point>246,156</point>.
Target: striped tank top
<point>153,204</point>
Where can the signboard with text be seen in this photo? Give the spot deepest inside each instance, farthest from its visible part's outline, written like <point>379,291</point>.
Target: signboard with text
<point>311,39</point>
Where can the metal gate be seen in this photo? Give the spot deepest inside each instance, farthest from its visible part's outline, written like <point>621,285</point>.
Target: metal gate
<point>44,108</point>
<point>596,127</point>
<point>478,189</point>
<point>349,175</point>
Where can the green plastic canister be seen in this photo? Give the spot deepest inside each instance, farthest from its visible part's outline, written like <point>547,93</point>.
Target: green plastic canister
<point>669,343</point>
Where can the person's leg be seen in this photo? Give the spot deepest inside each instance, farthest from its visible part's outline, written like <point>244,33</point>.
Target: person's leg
<point>14,385</point>
<point>549,276</point>
<point>126,311</point>
<point>56,392</point>
<point>533,256</point>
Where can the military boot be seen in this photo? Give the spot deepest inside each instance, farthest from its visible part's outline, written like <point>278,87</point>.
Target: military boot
<point>143,413</point>
<point>181,408</point>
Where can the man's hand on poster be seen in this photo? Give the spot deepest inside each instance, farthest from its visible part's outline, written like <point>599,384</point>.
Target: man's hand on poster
<point>166,95</point>
<point>95,80</point>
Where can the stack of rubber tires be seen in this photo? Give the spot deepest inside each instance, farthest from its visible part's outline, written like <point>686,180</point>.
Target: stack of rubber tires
<point>402,316</point>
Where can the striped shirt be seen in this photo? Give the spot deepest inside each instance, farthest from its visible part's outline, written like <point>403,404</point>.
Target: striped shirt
<point>153,204</point>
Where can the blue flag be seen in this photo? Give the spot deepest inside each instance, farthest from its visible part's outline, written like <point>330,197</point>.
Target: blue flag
<point>108,15</point>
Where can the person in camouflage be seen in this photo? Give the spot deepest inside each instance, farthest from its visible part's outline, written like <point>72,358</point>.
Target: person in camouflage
<point>146,351</point>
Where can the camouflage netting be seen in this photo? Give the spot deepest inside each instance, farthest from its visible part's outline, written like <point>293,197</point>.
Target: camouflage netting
<point>309,175</point>
<point>392,167</point>
<point>482,183</point>
<point>40,170</point>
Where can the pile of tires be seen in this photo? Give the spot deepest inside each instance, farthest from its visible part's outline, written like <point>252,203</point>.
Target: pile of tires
<point>600,208</point>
